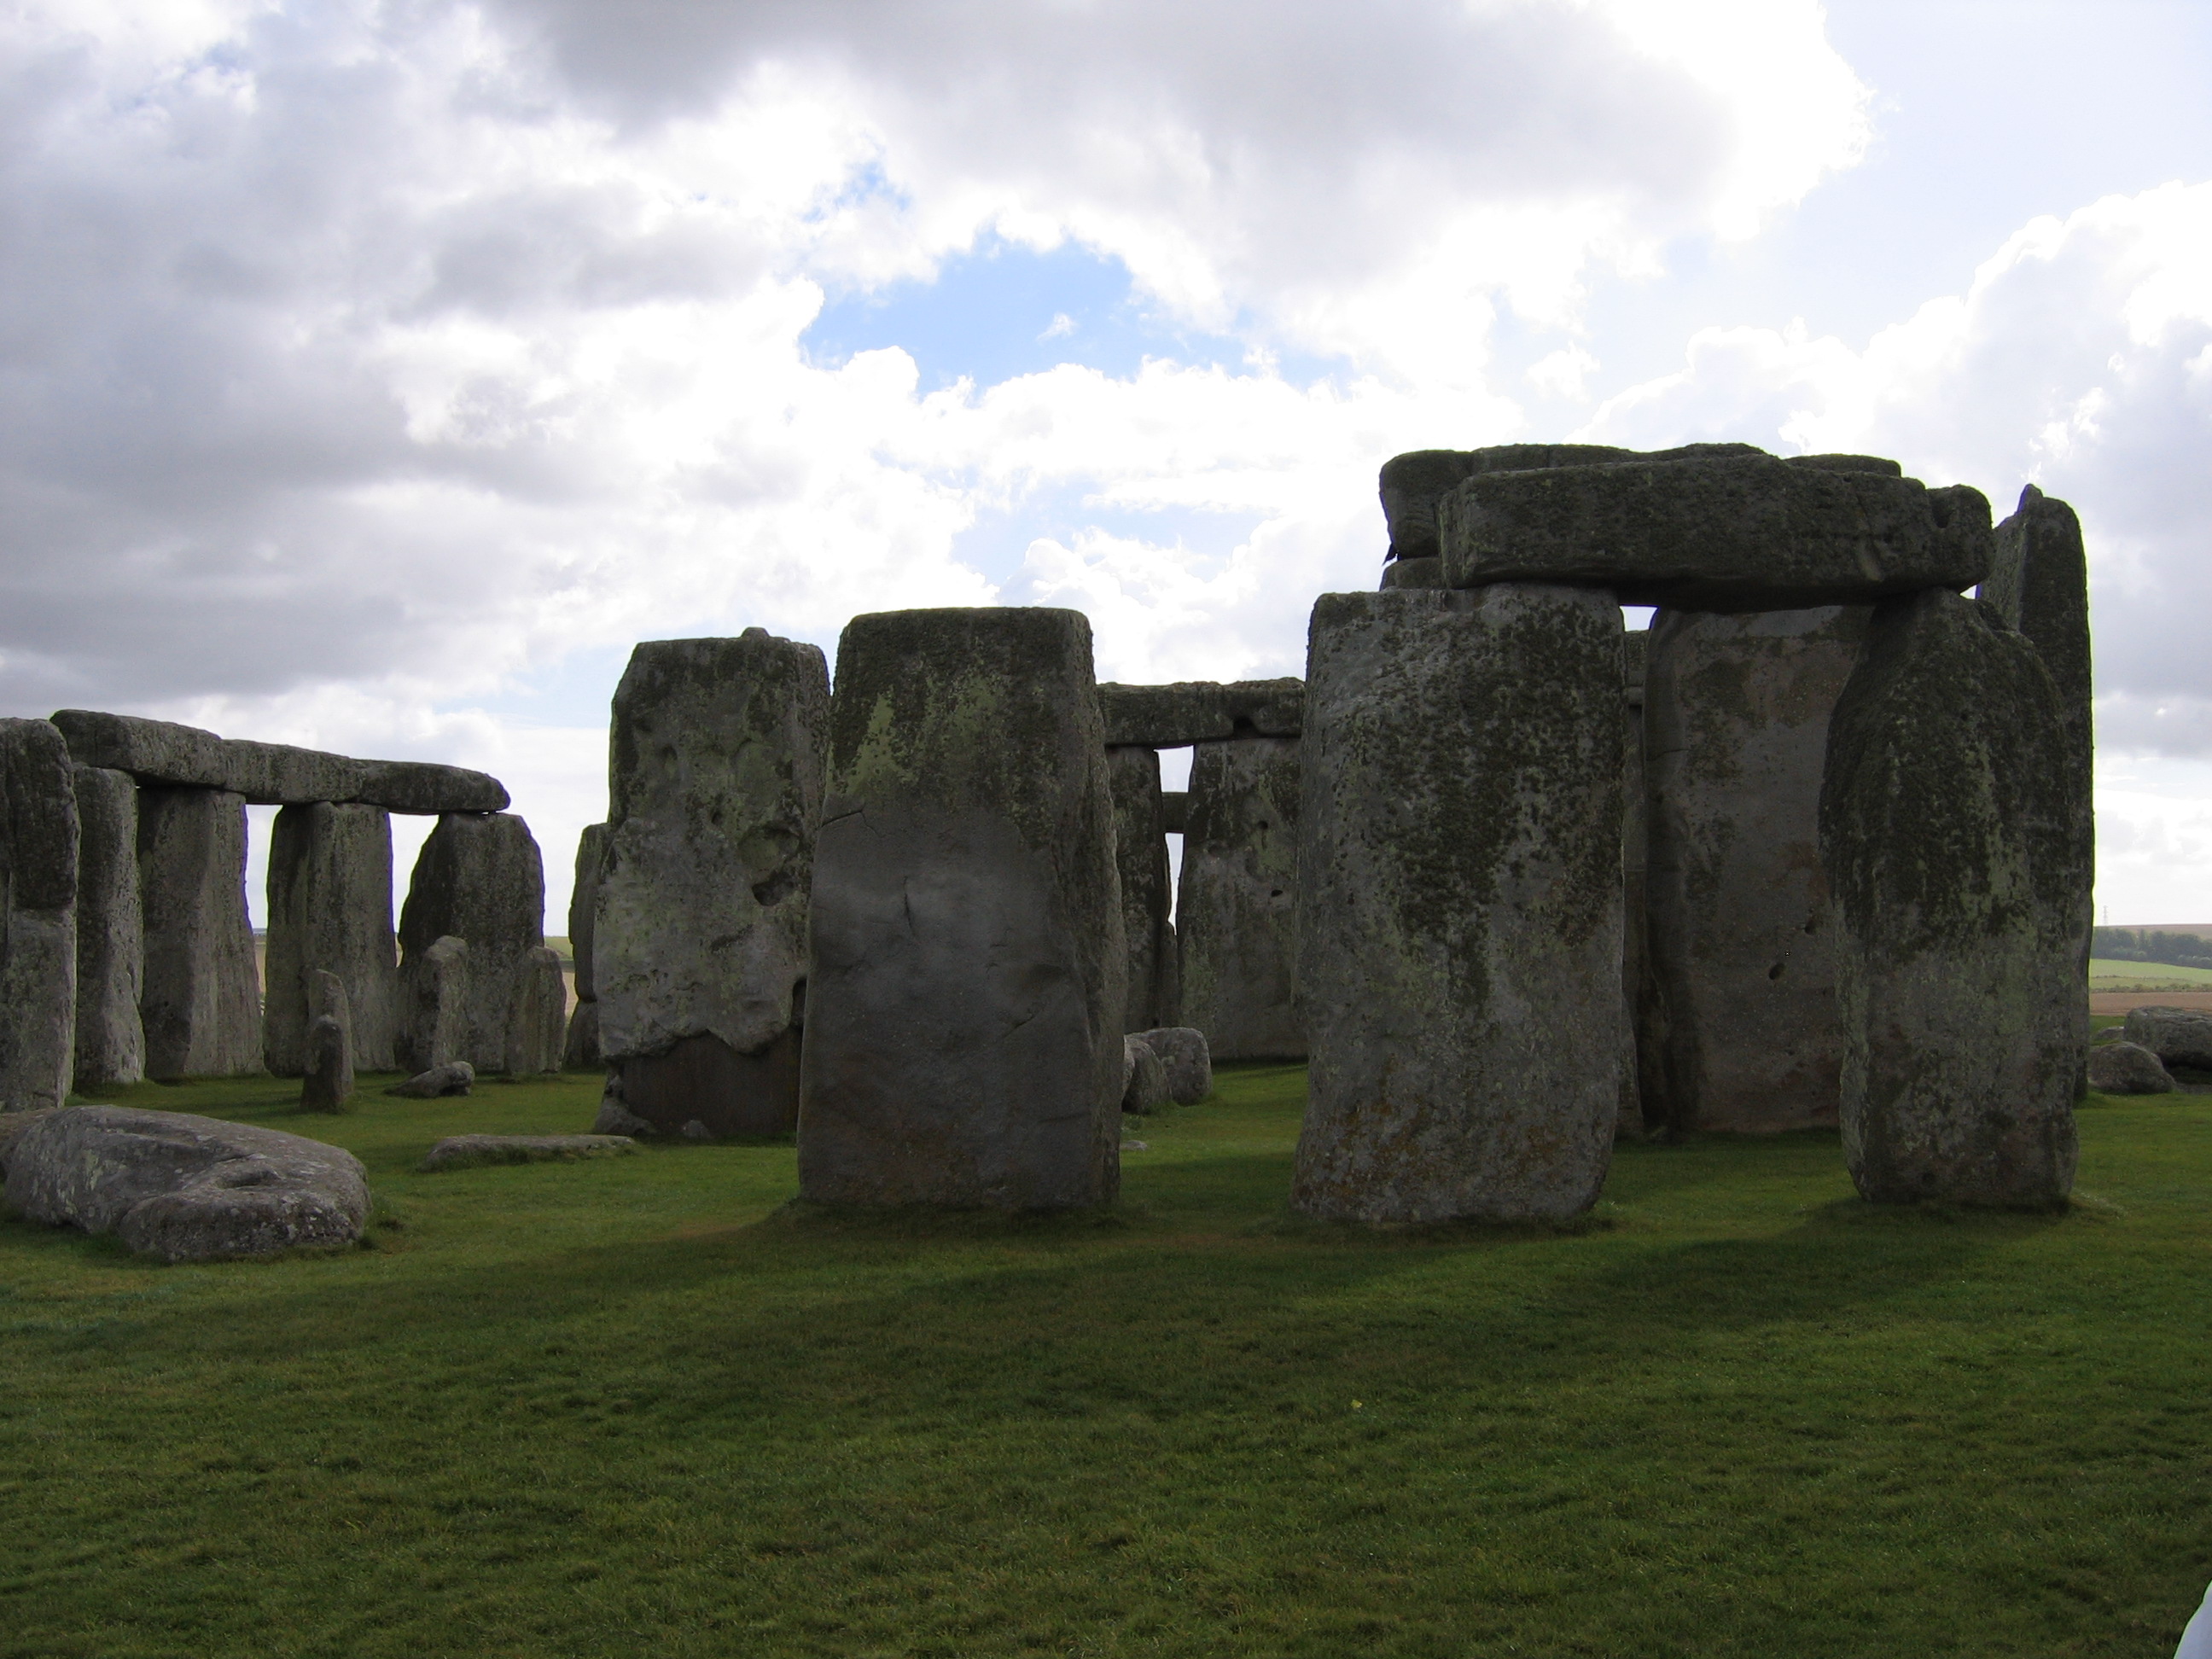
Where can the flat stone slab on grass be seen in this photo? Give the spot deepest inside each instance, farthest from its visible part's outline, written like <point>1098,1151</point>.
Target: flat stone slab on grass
<point>469,1151</point>
<point>439,1081</point>
<point>183,1188</point>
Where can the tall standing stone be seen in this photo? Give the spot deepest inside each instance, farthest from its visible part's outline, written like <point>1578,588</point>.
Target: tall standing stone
<point>1140,844</point>
<point>1949,834</point>
<point>201,1001</point>
<point>435,1002</point>
<point>327,1046</point>
<point>38,950</point>
<point>581,1050</point>
<point>1741,1031</point>
<point>1460,904</point>
<point>111,1043</point>
<point>699,948</point>
<point>478,878</point>
<point>536,1015</point>
<point>1237,915</point>
<point>963,1043</point>
<point>330,911</point>
<point>1635,851</point>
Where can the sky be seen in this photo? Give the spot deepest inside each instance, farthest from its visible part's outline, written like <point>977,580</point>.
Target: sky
<point>373,376</point>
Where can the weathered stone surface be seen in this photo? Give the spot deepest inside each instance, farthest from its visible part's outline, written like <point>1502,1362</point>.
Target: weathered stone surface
<point>1947,834</point>
<point>434,1005</point>
<point>2179,1037</point>
<point>200,1002</point>
<point>1413,484</point>
<point>1174,808</point>
<point>715,786</point>
<point>327,1084</point>
<point>38,924</point>
<point>13,1126</point>
<point>2039,583</point>
<point>1144,1082</point>
<point>1460,901</point>
<point>579,1049</point>
<point>2125,1068</point>
<point>330,911</point>
<point>963,1041</point>
<point>1635,842</point>
<point>1200,711</point>
<point>1412,573</point>
<point>1741,1027</point>
<point>615,1117</point>
<point>1183,1051</point>
<point>1237,915</point>
<point>584,904</point>
<point>1140,844</point>
<point>271,774</point>
<point>1738,533</point>
<point>478,880</point>
<point>537,1016</point>
<point>472,1152</point>
<point>183,1188</point>
<point>456,1078</point>
<point>111,1043</point>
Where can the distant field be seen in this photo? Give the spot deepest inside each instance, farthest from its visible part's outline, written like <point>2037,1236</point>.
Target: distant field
<point>2108,975</point>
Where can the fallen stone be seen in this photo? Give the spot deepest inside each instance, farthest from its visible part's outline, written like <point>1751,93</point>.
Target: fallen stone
<point>2110,1034</point>
<point>481,880</point>
<point>2126,1068</point>
<point>699,953</point>
<point>15,1125</point>
<point>330,911</point>
<point>1236,912</point>
<point>328,1083</point>
<point>1145,1089</point>
<point>457,1079</point>
<point>963,1024</point>
<point>1200,711</point>
<point>1460,894</point>
<point>695,1130</point>
<point>111,929</point>
<point>2179,1037</point>
<point>1737,533</point>
<point>1948,836</point>
<point>617,1119</point>
<point>472,1152</point>
<point>1735,721</point>
<point>1140,844</point>
<point>200,1001</point>
<point>1184,1052</point>
<point>186,1189</point>
<point>38,924</point>
<point>536,1020</point>
<point>270,774</point>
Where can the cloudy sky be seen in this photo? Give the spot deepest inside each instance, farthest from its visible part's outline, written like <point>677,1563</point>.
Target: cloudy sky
<point>373,376</point>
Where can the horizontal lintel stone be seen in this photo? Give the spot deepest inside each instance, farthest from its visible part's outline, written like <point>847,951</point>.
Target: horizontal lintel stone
<point>1202,711</point>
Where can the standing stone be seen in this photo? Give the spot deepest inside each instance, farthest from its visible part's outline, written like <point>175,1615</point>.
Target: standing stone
<point>698,951</point>
<point>1635,850</point>
<point>330,911</point>
<point>201,1001</point>
<point>1742,1032</point>
<point>963,1042</point>
<point>1140,844</point>
<point>478,878</point>
<point>433,1007</point>
<point>1948,828</point>
<point>1460,899</point>
<point>1238,914</point>
<point>581,1051</point>
<point>536,1019</point>
<point>38,948</point>
<point>1189,1064</point>
<point>327,1081</point>
<point>111,1043</point>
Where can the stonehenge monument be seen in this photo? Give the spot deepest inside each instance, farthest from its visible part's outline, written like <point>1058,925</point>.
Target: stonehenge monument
<point>330,911</point>
<point>580,1051</point>
<point>200,1000</point>
<point>111,931</point>
<point>479,881</point>
<point>38,965</point>
<point>1140,844</point>
<point>1237,905</point>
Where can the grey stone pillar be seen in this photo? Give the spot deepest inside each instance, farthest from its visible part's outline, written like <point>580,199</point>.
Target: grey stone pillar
<point>963,1039</point>
<point>480,878</point>
<point>581,1050</point>
<point>111,944</point>
<point>1949,828</point>
<point>699,948</point>
<point>38,948</point>
<point>536,1014</point>
<point>330,912</point>
<point>1634,859</point>
<point>1140,844</point>
<point>1460,904</point>
<point>1744,1034</point>
<point>1237,914</point>
<point>201,998</point>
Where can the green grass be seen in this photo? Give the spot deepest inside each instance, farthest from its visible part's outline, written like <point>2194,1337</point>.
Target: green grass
<point>632,1406</point>
<point>2105,973</point>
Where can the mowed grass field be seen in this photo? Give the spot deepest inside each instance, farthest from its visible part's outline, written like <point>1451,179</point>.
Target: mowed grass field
<point>636,1407</point>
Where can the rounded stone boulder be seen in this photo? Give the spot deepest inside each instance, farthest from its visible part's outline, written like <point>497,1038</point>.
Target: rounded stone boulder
<point>1183,1049</point>
<point>2179,1037</point>
<point>2127,1068</point>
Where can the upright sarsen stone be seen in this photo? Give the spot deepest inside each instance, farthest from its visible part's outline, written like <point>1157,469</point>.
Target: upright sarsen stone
<point>1949,839</point>
<point>1460,904</point>
<point>963,1040</point>
<point>580,1052</point>
<point>480,878</point>
<point>330,912</point>
<point>1745,1035</point>
<point>38,926</point>
<point>111,1043</point>
<point>698,951</point>
<point>1140,842</point>
<point>201,1001</point>
<point>1236,912</point>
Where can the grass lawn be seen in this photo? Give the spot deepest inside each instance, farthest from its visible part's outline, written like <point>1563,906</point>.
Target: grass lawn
<point>628,1406</point>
